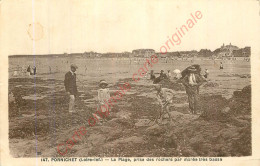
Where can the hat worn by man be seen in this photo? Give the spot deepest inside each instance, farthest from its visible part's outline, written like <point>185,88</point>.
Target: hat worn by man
<point>103,82</point>
<point>74,66</point>
<point>192,69</point>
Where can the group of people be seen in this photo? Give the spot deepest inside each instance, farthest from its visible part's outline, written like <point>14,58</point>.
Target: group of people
<point>31,70</point>
<point>24,70</point>
<point>72,91</point>
<point>163,75</point>
<point>168,75</point>
<point>190,78</point>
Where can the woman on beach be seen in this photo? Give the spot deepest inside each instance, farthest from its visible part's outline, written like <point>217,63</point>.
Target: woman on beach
<point>29,70</point>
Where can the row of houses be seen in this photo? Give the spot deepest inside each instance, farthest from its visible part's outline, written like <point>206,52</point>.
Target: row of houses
<point>225,51</point>
<point>231,51</point>
<point>143,52</point>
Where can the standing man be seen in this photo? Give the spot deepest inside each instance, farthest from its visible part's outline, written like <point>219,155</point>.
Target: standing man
<point>71,87</point>
<point>206,73</point>
<point>34,70</point>
<point>86,69</point>
<point>163,75</point>
<point>192,81</point>
<point>152,76</point>
<point>221,66</point>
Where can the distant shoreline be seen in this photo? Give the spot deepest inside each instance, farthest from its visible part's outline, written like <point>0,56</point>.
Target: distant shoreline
<point>121,57</point>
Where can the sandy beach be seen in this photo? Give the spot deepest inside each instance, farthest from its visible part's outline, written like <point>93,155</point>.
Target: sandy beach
<point>223,127</point>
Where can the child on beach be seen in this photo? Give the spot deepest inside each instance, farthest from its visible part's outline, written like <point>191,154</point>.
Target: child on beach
<point>164,97</point>
<point>103,95</point>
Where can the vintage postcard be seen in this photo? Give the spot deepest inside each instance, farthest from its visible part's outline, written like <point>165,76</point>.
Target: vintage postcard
<point>137,82</point>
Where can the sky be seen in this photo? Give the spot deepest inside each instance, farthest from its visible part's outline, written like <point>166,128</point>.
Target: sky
<point>75,26</point>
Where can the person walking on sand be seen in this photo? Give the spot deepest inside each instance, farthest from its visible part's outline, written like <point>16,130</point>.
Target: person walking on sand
<point>49,69</point>
<point>34,70</point>
<point>29,70</point>
<point>71,86</point>
<point>164,97</point>
<point>206,73</point>
<point>192,81</point>
<point>86,69</point>
<point>221,66</point>
<point>162,75</point>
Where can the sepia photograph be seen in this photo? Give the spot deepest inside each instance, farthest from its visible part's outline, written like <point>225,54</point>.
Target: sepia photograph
<point>129,81</point>
<point>141,103</point>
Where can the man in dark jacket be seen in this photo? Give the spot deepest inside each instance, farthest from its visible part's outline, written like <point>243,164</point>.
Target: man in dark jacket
<point>192,81</point>
<point>152,76</point>
<point>71,86</point>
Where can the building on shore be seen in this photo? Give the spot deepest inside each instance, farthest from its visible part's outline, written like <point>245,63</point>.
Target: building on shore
<point>231,52</point>
<point>227,51</point>
<point>143,52</point>
<point>90,54</point>
<point>242,52</point>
